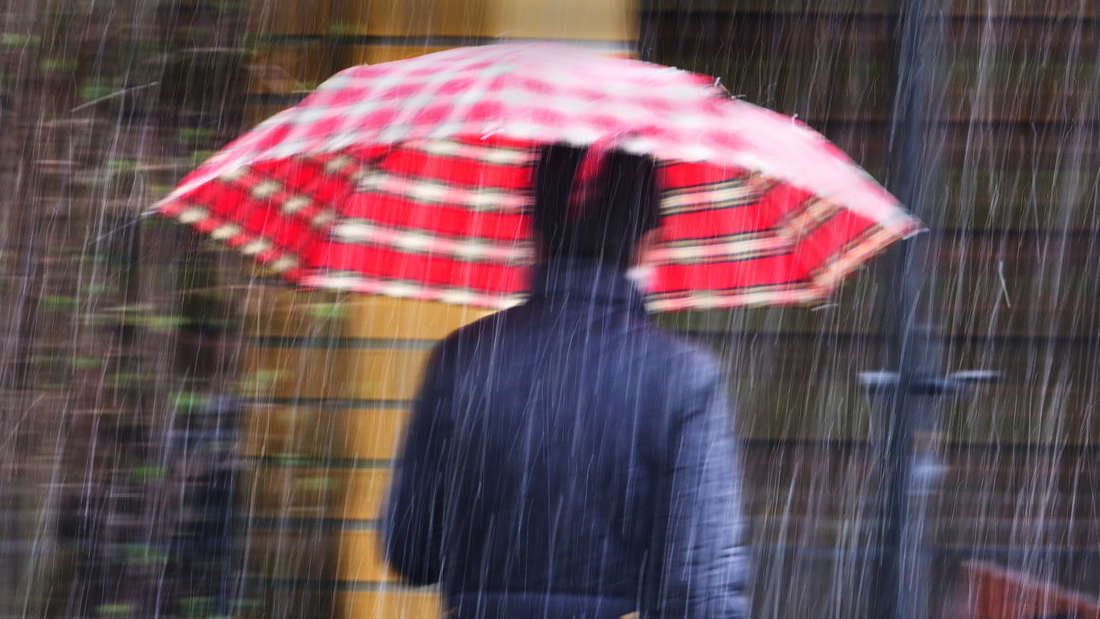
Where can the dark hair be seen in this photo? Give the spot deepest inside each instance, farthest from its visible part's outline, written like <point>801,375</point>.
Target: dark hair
<point>622,204</point>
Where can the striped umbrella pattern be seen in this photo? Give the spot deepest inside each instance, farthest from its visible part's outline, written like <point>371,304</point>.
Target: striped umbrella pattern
<point>414,179</point>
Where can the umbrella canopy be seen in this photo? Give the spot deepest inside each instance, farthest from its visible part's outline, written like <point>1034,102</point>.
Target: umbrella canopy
<point>413,179</point>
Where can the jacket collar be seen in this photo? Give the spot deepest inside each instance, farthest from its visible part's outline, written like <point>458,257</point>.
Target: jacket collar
<point>585,282</point>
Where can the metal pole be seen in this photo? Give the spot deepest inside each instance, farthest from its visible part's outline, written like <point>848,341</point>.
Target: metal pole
<point>899,595</point>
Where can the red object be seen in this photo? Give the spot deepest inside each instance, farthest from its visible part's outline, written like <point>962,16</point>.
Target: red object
<point>413,179</point>
<point>993,592</point>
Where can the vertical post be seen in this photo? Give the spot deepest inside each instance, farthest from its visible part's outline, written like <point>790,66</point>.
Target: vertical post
<point>903,572</point>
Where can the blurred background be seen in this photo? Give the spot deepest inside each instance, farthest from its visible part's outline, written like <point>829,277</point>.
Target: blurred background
<point>184,437</point>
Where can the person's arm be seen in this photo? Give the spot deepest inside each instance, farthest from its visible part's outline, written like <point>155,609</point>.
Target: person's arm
<point>413,521</point>
<point>703,565</point>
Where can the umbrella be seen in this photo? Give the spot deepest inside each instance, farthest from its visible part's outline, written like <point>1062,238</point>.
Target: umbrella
<point>413,179</point>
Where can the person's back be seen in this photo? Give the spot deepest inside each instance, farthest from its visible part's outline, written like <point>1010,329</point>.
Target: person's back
<point>568,459</point>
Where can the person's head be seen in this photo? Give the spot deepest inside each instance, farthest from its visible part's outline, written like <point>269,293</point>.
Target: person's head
<point>602,214</point>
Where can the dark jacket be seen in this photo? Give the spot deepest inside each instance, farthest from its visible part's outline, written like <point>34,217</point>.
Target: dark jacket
<point>568,459</point>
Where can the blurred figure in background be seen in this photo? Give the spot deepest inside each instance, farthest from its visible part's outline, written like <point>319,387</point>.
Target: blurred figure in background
<point>566,458</point>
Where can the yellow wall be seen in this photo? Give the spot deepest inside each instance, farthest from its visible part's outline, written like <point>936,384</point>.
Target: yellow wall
<point>320,468</point>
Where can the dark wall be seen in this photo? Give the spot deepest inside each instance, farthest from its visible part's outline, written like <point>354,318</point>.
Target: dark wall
<point>1007,278</point>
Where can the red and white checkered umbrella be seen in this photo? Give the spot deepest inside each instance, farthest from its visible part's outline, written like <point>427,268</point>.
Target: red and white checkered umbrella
<point>413,179</point>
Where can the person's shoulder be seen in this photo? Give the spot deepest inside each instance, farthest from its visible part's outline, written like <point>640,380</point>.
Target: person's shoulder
<point>683,365</point>
<point>467,338</point>
<point>683,352</point>
<point>486,326</point>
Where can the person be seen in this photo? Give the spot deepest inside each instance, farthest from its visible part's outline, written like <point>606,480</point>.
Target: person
<point>567,458</point>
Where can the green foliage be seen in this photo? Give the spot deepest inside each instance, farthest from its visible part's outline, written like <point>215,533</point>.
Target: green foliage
<point>58,65</point>
<point>192,136</point>
<point>148,474</point>
<point>144,554</point>
<point>199,156</point>
<point>343,28</point>
<point>122,165</point>
<point>243,605</point>
<point>117,609</point>
<point>144,317</point>
<point>259,381</point>
<point>161,322</point>
<point>59,303</point>
<point>126,380</point>
<point>294,460</point>
<point>197,606</point>
<point>320,483</point>
<point>97,290</point>
<point>328,311</point>
<point>185,401</point>
<point>16,39</point>
<point>90,92</point>
<point>86,363</point>
<point>219,6</point>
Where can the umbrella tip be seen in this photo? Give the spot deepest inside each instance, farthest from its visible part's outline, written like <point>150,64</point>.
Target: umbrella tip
<point>918,231</point>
